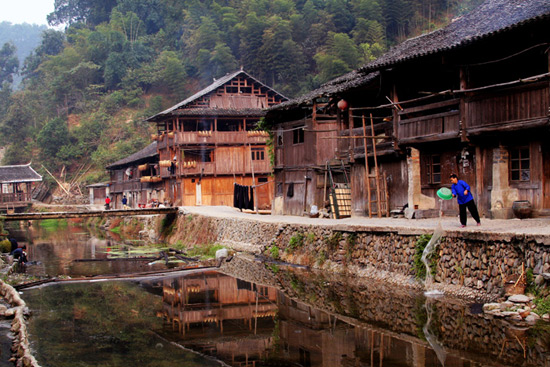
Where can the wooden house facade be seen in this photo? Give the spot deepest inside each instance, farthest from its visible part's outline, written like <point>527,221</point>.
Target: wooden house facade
<point>322,139</point>
<point>17,185</point>
<point>471,98</point>
<point>137,178</point>
<point>210,142</point>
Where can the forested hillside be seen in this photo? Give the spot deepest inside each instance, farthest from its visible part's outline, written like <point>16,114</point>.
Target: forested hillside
<point>87,89</point>
<point>25,38</point>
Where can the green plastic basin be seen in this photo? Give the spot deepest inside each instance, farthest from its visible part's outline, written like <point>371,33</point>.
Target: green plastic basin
<point>445,193</point>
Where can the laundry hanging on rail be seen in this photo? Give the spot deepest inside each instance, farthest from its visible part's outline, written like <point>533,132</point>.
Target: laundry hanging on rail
<point>243,197</point>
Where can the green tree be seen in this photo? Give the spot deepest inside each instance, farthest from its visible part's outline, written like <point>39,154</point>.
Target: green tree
<point>52,44</point>
<point>251,34</point>
<point>9,65</point>
<point>52,137</point>
<point>92,12</point>
<point>169,73</point>
<point>330,67</point>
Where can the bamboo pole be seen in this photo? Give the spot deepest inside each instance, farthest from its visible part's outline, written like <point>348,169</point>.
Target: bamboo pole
<point>367,178</point>
<point>59,183</point>
<point>376,172</point>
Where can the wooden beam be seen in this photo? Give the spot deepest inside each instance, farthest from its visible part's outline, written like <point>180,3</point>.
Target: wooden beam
<point>97,213</point>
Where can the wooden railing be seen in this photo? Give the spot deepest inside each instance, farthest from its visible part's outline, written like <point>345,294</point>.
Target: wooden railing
<point>211,137</point>
<point>512,106</point>
<point>435,121</point>
<point>14,197</point>
<point>133,185</point>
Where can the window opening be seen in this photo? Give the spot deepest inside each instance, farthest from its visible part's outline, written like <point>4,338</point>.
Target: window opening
<point>520,164</point>
<point>433,169</point>
<point>298,136</point>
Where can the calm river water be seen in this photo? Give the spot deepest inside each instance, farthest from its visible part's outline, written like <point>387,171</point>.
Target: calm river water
<point>291,317</point>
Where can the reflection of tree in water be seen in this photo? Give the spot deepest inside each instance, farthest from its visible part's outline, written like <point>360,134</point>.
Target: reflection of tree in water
<point>107,324</point>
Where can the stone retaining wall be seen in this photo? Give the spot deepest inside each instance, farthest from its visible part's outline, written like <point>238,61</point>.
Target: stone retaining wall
<point>469,264</point>
<point>22,356</point>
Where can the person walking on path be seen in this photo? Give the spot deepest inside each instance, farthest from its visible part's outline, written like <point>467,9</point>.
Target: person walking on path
<point>124,202</point>
<point>107,203</point>
<point>461,191</point>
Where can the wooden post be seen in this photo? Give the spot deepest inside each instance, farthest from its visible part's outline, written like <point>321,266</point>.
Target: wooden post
<point>387,195</point>
<point>367,178</point>
<point>376,172</point>
<point>59,183</point>
<point>463,107</point>
<point>253,181</point>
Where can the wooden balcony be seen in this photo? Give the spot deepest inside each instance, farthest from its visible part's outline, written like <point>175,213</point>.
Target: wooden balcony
<point>14,200</point>
<point>510,109</point>
<point>133,185</point>
<point>218,168</point>
<point>431,122</point>
<point>212,137</point>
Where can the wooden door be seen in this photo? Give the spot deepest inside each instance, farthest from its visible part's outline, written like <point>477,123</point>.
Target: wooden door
<point>546,176</point>
<point>198,194</point>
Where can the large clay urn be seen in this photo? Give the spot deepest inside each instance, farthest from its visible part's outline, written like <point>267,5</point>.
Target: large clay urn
<point>522,209</point>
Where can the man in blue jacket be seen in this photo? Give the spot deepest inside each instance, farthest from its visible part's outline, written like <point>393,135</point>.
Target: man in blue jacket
<point>461,191</point>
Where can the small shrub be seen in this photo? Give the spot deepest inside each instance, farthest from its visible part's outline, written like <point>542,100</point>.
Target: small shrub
<point>206,251</point>
<point>543,305</point>
<point>322,257</point>
<point>334,241</point>
<point>310,237</point>
<point>274,251</point>
<point>296,241</point>
<point>418,265</point>
<point>5,245</point>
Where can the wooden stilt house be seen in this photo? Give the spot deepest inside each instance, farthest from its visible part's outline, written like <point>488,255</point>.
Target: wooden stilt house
<point>322,139</point>
<point>136,177</point>
<point>471,98</point>
<point>210,142</point>
<point>17,184</point>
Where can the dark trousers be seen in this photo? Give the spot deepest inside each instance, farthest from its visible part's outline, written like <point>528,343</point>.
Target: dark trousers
<point>471,205</point>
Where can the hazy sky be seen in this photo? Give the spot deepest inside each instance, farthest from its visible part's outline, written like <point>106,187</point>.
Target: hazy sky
<point>25,11</point>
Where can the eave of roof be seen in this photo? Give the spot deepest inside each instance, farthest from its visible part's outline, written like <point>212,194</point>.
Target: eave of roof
<point>218,112</point>
<point>149,151</point>
<point>211,88</point>
<point>18,174</point>
<point>487,20</point>
<point>344,83</point>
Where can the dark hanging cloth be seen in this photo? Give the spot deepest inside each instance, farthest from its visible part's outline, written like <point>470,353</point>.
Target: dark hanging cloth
<point>251,202</point>
<point>246,202</point>
<point>241,199</point>
<point>290,191</point>
<point>235,195</point>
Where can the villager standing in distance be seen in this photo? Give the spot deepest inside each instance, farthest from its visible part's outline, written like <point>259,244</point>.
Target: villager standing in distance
<point>461,190</point>
<point>124,202</point>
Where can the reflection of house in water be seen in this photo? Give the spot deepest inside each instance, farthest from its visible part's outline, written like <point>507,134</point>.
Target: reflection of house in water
<point>233,320</point>
<point>209,308</point>
<point>312,337</point>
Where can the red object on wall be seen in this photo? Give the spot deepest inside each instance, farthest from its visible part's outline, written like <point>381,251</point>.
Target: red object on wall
<point>342,104</point>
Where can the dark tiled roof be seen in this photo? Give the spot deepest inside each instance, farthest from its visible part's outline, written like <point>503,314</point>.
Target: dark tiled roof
<point>211,88</point>
<point>343,83</point>
<point>20,173</point>
<point>148,152</point>
<point>219,112</point>
<point>490,18</point>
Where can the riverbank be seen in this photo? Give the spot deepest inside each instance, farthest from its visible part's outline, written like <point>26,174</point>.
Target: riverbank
<point>472,262</point>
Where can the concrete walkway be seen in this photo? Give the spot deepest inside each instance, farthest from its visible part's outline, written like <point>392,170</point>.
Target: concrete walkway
<point>539,227</point>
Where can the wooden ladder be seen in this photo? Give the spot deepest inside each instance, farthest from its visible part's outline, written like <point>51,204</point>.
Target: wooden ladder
<point>377,192</point>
